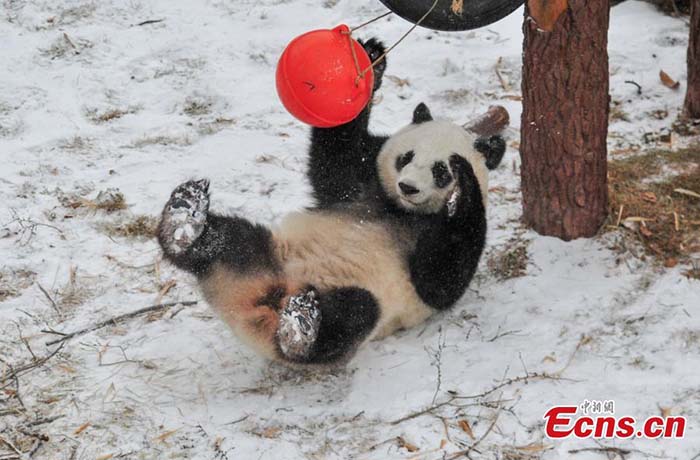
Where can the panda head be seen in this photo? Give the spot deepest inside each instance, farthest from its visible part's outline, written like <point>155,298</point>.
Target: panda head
<point>416,164</point>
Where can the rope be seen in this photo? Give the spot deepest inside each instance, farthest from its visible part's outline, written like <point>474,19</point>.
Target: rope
<point>354,55</point>
<point>371,21</point>
<point>361,73</point>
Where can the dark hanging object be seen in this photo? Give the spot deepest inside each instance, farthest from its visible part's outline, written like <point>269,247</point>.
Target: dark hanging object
<point>453,14</point>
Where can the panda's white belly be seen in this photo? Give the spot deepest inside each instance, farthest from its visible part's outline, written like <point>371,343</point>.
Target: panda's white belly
<point>331,250</point>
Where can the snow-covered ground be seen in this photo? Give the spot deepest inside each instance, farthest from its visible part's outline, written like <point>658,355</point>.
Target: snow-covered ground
<point>90,100</point>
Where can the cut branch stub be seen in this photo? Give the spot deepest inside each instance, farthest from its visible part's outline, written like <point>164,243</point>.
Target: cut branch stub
<point>546,12</point>
<point>492,122</point>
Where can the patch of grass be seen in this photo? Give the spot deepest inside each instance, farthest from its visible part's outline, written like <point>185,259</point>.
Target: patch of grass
<point>197,106</point>
<point>9,125</point>
<point>109,200</point>
<point>259,57</point>
<point>686,127</point>
<point>69,16</point>
<point>652,197</point>
<point>11,128</point>
<point>65,46</point>
<point>617,113</point>
<point>689,338</point>
<point>138,227</point>
<point>182,141</point>
<point>13,282</point>
<point>693,272</point>
<point>76,143</point>
<point>213,127</point>
<point>456,95</point>
<point>509,261</point>
<point>73,293</point>
<point>109,115</point>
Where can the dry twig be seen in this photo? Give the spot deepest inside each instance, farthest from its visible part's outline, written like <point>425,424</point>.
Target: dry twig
<point>468,450</point>
<point>50,299</point>
<point>150,21</point>
<point>11,446</point>
<point>504,383</point>
<point>114,320</point>
<point>501,79</point>
<point>16,371</point>
<point>604,450</point>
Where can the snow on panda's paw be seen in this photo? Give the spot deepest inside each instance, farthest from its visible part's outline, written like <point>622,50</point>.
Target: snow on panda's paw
<point>453,201</point>
<point>299,324</point>
<point>185,214</point>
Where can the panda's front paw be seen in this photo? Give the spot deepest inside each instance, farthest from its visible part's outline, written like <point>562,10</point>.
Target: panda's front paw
<point>376,49</point>
<point>299,324</point>
<point>184,216</point>
<point>453,201</point>
<point>458,199</point>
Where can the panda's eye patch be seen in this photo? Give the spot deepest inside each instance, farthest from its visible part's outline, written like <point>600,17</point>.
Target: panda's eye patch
<point>404,159</point>
<point>441,174</point>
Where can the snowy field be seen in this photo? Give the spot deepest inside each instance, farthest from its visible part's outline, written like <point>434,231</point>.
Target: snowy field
<point>93,103</point>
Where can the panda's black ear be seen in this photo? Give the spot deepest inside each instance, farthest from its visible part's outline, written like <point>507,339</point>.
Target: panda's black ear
<point>492,148</point>
<point>421,114</point>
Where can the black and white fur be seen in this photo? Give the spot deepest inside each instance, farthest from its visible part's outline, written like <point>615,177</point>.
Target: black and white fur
<point>396,235</point>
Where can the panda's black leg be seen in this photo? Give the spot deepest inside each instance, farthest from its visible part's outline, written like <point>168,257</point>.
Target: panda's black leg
<point>194,239</point>
<point>326,328</point>
<point>342,159</point>
<point>448,250</point>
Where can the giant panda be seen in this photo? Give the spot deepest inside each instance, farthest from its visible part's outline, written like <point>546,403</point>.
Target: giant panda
<point>395,235</point>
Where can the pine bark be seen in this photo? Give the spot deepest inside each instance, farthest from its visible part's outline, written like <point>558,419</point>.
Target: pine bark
<point>565,121</point>
<point>692,98</point>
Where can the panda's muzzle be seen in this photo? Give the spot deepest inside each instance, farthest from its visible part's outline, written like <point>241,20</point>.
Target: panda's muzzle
<point>407,189</point>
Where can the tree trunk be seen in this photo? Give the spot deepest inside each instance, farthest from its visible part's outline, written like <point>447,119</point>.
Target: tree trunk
<point>565,117</point>
<point>692,98</point>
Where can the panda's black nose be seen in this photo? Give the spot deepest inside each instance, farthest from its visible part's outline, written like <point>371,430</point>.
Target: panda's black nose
<point>408,189</point>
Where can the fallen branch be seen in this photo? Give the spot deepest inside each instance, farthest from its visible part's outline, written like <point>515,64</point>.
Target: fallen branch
<point>114,320</point>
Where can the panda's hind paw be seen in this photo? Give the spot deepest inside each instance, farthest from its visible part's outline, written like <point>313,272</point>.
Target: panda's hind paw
<point>299,324</point>
<point>184,216</point>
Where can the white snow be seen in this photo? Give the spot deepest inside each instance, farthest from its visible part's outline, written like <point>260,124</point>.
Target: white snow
<point>194,97</point>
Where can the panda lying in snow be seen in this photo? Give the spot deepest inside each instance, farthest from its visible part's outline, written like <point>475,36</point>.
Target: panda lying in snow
<point>396,235</point>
